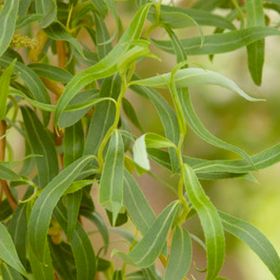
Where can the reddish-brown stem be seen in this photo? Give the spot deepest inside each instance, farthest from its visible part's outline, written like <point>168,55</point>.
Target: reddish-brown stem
<point>4,185</point>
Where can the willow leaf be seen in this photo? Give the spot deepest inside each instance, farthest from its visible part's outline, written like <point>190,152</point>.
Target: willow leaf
<point>73,143</point>
<point>149,248</point>
<point>180,258</point>
<point>103,116</point>
<point>8,174</point>
<point>131,114</point>
<point>85,260</point>
<point>177,17</point>
<point>4,88</point>
<point>48,9</point>
<point>210,221</point>
<point>51,72</point>
<point>8,18</point>
<point>8,252</point>
<point>138,208</point>
<point>167,117</point>
<point>255,51</point>
<point>111,181</point>
<point>42,144</point>
<point>9,273</point>
<point>191,77</point>
<point>100,6</point>
<point>105,67</point>
<point>221,43</point>
<point>255,240</point>
<point>43,207</point>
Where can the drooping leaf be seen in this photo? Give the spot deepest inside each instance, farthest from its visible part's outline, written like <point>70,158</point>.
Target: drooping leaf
<point>255,240</point>
<point>8,252</point>
<point>48,9</point>
<point>210,221</point>
<point>149,248</point>
<point>255,51</point>
<point>43,207</point>
<point>111,181</point>
<point>42,144</point>
<point>180,258</point>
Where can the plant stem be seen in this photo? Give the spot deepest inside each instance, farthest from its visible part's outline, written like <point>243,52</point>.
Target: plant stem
<point>3,183</point>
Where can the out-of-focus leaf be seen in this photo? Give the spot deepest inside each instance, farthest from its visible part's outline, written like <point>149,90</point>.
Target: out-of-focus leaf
<point>4,88</point>
<point>221,43</point>
<point>100,7</point>
<point>210,221</point>
<point>149,248</point>
<point>48,9</point>
<point>5,210</point>
<point>255,240</point>
<point>255,51</point>
<point>8,273</point>
<point>42,144</point>
<point>8,18</point>
<point>43,207</point>
<point>177,17</point>
<point>8,252</point>
<point>111,181</point>
<point>180,258</point>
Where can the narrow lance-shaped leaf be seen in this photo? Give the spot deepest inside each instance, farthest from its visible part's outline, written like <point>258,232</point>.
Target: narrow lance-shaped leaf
<point>180,258</point>
<point>167,117</point>
<point>221,43</point>
<point>8,18</point>
<point>178,17</point>
<point>8,273</point>
<point>103,116</point>
<point>149,248</point>
<point>111,181</point>
<point>255,51</point>
<point>42,144</point>
<point>210,221</point>
<point>105,67</point>
<point>138,208</point>
<point>8,252</point>
<point>194,76</point>
<point>255,240</point>
<point>83,252</point>
<point>43,207</point>
<point>48,9</point>
<point>4,88</point>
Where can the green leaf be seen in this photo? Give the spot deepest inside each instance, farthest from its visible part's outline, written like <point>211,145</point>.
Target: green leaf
<point>149,248</point>
<point>255,51</point>
<point>9,273</point>
<point>100,7</point>
<point>42,144</point>
<point>131,114</point>
<point>8,18</point>
<point>85,260</point>
<point>51,72</point>
<point>167,117</point>
<point>73,143</point>
<point>178,17</point>
<point>255,240</point>
<point>148,140</point>
<point>179,261</point>
<point>43,207</point>
<point>8,252</point>
<point>105,67</point>
<point>5,210</point>
<point>5,79</point>
<point>8,174</point>
<point>48,9</point>
<point>210,221</point>
<point>111,181</point>
<point>194,76</point>
<point>103,116</point>
<point>221,43</point>
<point>138,208</point>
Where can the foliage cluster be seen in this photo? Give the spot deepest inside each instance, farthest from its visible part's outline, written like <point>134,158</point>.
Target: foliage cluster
<point>63,86</point>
